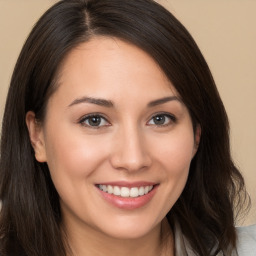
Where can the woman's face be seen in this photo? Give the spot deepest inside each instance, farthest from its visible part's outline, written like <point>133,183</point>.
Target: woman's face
<point>117,139</point>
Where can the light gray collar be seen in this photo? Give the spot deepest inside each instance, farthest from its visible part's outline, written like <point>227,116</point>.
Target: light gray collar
<point>183,247</point>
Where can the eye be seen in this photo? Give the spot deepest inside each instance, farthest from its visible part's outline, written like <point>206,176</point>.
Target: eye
<point>94,121</point>
<point>162,120</point>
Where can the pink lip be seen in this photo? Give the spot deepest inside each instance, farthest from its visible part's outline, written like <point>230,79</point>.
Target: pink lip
<point>128,203</point>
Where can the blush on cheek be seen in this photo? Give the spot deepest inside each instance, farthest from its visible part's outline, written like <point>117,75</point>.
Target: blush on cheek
<point>177,154</point>
<point>80,160</point>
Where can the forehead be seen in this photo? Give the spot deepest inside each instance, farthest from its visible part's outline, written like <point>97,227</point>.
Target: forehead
<point>109,67</point>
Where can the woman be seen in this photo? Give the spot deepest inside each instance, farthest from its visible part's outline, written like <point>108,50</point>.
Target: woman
<point>119,140</point>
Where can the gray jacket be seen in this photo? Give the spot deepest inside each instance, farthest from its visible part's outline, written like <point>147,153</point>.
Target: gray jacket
<point>246,241</point>
<point>246,244</point>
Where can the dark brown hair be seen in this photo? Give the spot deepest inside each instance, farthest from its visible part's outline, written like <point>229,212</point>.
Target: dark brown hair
<point>30,216</point>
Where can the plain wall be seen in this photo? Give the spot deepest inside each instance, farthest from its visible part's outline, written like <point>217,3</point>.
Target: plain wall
<point>225,32</point>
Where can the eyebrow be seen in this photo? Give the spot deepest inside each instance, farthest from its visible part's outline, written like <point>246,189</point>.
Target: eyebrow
<point>163,100</point>
<point>109,103</point>
<point>97,101</point>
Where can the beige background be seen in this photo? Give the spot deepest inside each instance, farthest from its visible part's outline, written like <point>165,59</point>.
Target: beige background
<point>225,32</point>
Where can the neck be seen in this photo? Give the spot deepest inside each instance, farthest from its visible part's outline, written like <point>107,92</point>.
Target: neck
<point>88,242</point>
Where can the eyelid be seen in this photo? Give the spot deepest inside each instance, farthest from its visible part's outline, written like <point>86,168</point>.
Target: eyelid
<point>87,116</point>
<point>172,117</point>
<point>82,120</point>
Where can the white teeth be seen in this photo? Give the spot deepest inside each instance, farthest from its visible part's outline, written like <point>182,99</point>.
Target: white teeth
<point>134,192</point>
<point>110,189</point>
<point>141,191</point>
<point>124,191</point>
<point>117,191</point>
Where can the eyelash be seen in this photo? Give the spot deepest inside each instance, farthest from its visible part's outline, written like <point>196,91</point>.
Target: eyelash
<point>91,116</point>
<point>172,119</point>
<point>83,120</point>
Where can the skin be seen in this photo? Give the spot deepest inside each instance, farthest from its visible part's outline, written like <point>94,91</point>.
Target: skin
<point>127,145</point>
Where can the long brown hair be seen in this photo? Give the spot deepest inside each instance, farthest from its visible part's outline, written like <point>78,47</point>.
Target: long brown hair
<point>30,216</point>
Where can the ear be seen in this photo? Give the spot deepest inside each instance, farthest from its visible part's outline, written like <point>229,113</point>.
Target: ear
<point>36,135</point>
<point>197,139</point>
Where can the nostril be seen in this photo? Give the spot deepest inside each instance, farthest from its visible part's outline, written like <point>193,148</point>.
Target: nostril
<point>131,165</point>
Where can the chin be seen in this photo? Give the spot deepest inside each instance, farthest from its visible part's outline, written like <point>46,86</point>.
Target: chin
<point>127,231</point>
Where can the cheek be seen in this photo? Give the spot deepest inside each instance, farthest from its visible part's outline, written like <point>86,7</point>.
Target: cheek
<point>176,151</point>
<point>174,157</point>
<point>71,156</point>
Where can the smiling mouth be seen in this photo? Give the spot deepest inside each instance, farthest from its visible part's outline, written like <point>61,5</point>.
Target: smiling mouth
<point>126,192</point>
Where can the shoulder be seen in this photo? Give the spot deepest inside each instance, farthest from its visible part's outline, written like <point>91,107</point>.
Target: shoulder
<point>246,240</point>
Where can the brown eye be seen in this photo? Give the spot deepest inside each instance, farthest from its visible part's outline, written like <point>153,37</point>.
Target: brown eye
<point>162,120</point>
<point>159,120</point>
<point>94,121</point>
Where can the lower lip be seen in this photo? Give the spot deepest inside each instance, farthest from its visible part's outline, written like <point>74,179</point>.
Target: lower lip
<point>129,203</point>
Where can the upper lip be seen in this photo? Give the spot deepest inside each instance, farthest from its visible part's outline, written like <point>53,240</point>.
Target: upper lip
<point>128,184</point>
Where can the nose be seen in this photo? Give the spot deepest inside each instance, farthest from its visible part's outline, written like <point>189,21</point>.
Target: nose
<point>130,151</point>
